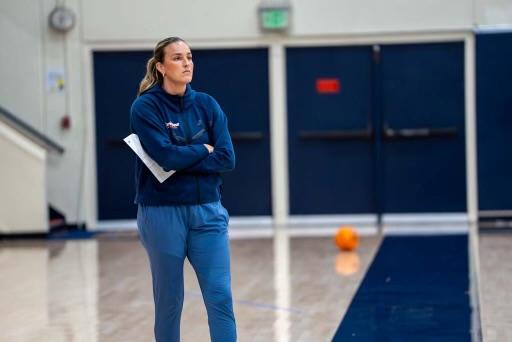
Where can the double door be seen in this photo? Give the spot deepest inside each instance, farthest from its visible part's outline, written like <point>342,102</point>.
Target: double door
<point>376,129</point>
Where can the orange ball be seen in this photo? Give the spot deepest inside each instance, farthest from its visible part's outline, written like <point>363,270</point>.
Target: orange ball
<point>346,238</point>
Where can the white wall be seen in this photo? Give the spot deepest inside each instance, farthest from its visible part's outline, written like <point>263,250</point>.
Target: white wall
<point>493,12</point>
<point>114,21</point>
<point>322,17</point>
<point>29,50</point>
<point>63,52</point>
<point>23,183</point>
<point>21,52</point>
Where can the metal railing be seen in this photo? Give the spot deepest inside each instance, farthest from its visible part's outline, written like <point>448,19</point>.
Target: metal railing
<point>29,132</point>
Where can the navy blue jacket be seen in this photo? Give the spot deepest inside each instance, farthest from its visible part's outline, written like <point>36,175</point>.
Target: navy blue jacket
<point>172,130</point>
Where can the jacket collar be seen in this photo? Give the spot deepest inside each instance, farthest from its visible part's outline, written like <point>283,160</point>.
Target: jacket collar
<point>178,103</point>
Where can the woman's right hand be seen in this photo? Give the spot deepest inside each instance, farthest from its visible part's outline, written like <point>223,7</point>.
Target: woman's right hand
<point>209,147</point>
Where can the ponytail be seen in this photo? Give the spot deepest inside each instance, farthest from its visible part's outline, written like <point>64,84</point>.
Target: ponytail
<point>152,76</point>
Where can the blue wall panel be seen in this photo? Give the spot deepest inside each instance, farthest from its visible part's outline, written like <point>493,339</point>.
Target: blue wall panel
<point>422,104</point>
<point>238,79</point>
<point>330,144</point>
<point>494,120</point>
<point>116,80</point>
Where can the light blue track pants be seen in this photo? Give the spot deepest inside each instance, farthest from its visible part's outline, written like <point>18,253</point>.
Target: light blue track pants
<point>200,233</point>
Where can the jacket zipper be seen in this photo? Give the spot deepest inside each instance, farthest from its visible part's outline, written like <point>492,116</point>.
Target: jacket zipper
<point>188,139</point>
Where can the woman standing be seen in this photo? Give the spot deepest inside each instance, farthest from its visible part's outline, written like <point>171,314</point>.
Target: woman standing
<point>186,131</point>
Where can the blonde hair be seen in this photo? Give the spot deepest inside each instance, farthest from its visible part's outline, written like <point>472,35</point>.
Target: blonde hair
<point>152,76</point>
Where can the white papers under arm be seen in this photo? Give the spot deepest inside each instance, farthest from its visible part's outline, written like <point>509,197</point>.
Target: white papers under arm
<point>133,141</point>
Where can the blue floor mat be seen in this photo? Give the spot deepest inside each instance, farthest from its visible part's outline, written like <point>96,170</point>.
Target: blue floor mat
<point>417,289</point>
<point>71,235</point>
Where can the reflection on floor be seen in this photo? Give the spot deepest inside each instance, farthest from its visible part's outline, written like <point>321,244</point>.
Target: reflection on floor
<point>285,289</point>
<point>496,286</point>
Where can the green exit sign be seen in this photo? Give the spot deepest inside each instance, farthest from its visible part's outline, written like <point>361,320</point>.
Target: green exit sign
<point>274,18</point>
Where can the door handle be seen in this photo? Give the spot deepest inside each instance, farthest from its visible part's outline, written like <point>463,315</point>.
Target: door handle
<point>418,133</point>
<point>337,135</point>
<point>115,142</point>
<point>247,136</point>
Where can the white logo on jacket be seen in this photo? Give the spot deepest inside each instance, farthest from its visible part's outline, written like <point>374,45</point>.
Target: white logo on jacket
<point>172,125</point>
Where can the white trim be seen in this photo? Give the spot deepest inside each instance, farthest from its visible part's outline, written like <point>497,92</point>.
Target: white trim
<point>330,231</point>
<point>425,224</point>
<point>246,231</point>
<point>115,225</point>
<point>425,218</point>
<point>470,120</point>
<point>195,45</point>
<point>19,140</point>
<point>237,222</point>
<point>364,219</point>
<point>278,133</point>
<point>377,39</point>
<point>434,229</point>
<point>251,221</point>
<point>472,183</point>
<point>366,38</point>
<point>90,180</point>
<point>237,231</point>
<point>504,28</point>
<point>251,233</point>
<point>327,225</point>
